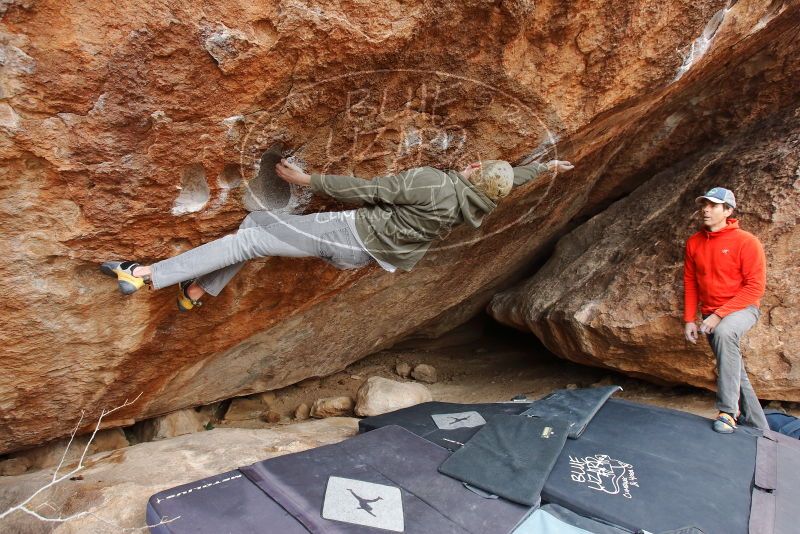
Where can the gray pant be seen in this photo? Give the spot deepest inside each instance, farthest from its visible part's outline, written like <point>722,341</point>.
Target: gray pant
<point>264,233</point>
<point>734,391</point>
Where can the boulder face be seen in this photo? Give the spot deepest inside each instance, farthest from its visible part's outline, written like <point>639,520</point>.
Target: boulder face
<point>136,131</point>
<point>612,294</point>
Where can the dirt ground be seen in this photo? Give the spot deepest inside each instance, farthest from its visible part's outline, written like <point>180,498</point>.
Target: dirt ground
<point>485,363</point>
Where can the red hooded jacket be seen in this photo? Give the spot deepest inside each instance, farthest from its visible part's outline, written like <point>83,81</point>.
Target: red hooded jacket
<point>724,270</point>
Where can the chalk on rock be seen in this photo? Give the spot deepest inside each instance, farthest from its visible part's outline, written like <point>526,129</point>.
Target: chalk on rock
<point>227,46</point>
<point>424,373</point>
<point>9,119</point>
<point>159,117</point>
<point>236,127</point>
<point>268,191</point>
<point>332,407</point>
<point>380,395</point>
<point>194,190</point>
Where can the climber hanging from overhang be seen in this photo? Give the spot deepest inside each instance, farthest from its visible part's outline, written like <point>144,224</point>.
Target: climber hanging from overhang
<point>400,216</point>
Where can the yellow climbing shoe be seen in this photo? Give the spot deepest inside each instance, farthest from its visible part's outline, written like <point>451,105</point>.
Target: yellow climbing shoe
<point>184,302</point>
<point>123,272</point>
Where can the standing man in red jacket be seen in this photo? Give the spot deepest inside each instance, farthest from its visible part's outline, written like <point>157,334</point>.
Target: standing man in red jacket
<point>725,272</point>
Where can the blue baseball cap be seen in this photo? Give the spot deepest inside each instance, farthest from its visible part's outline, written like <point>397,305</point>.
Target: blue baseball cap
<point>719,195</point>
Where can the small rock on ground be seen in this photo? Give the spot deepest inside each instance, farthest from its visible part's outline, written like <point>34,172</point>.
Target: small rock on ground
<point>424,373</point>
<point>403,369</point>
<point>171,425</point>
<point>246,408</point>
<point>380,395</point>
<point>50,454</point>
<point>13,466</point>
<point>302,412</point>
<point>271,417</point>
<point>332,407</point>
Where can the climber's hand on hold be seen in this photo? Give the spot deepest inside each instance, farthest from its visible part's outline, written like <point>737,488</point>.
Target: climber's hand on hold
<point>556,165</point>
<point>292,173</point>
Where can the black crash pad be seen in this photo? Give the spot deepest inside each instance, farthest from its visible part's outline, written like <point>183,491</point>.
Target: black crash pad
<point>645,467</point>
<point>227,503</point>
<point>576,406</point>
<point>447,424</point>
<point>511,456</point>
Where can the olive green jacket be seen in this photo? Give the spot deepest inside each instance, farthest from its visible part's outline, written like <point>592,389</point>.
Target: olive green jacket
<point>404,213</point>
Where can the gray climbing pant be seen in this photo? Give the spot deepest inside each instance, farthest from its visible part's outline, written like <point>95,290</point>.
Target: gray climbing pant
<point>264,233</point>
<point>734,391</point>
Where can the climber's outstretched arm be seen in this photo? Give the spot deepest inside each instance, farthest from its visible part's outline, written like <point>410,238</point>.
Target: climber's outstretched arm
<point>412,186</point>
<point>525,173</point>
